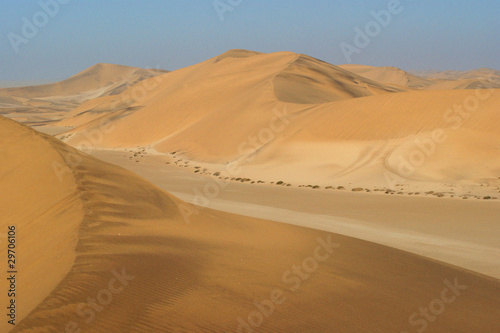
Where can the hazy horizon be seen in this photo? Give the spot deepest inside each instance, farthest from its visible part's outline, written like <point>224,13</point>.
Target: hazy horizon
<point>28,82</point>
<point>52,40</point>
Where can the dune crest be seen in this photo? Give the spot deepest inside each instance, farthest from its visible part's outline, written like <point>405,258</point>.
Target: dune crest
<point>44,206</point>
<point>310,81</point>
<point>236,53</point>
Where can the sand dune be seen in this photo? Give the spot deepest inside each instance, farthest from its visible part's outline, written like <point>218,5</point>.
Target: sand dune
<point>45,209</point>
<point>108,76</point>
<point>465,84</point>
<point>368,137</point>
<point>389,75</point>
<point>283,75</point>
<point>474,79</point>
<point>126,245</point>
<point>197,97</point>
<point>46,103</point>
<point>429,80</point>
<point>310,81</point>
<point>299,120</point>
<point>481,73</point>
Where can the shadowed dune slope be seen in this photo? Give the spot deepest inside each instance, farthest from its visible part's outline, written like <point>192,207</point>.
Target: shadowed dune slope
<point>311,81</point>
<point>135,264</point>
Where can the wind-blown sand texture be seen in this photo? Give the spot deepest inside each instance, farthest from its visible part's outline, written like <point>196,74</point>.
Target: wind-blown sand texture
<point>201,276</point>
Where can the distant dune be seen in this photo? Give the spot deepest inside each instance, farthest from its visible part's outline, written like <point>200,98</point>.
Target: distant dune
<point>429,80</point>
<point>462,79</point>
<point>24,83</point>
<point>389,75</point>
<point>112,79</point>
<point>102,250</point>
<point>44,103</point>
<point>458,75</point>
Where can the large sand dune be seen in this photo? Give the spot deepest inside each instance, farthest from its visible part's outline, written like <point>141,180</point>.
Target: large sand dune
<point>292,118</point>
<point>241,85</point>
<point>118,256</point>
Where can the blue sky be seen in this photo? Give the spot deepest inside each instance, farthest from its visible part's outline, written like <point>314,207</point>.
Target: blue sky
<point>170,34</point>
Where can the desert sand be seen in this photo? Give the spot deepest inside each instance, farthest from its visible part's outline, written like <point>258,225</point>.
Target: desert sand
<point>206,274</point>
<point>448,229</point>
<point>280,193</point>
